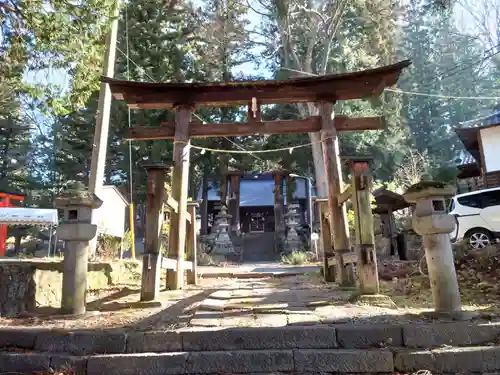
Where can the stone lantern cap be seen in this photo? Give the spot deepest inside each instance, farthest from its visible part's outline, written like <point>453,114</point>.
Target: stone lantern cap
<point>76,194</point>
<point>427,190</point>
<point>194,203</point>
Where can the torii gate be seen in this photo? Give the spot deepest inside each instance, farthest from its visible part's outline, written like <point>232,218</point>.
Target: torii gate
<point>5,201</point>
<point>185,97</point>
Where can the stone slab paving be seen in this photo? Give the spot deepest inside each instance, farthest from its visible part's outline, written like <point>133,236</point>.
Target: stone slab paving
<point>233,303</point>
<point>275,303</point>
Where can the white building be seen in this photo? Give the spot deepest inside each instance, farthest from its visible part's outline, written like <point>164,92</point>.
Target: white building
<point>483,143</point>
<point>111,215</point>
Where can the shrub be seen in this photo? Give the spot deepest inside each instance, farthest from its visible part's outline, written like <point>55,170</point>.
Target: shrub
<point>108,247</point>
<point>127,240</point>
<point>295,258</point>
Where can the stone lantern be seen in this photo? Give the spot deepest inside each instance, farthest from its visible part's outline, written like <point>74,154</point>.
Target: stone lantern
<point>431,221</point>
<point>292,238</point>
<point>76,231</point>
<point>223,244</point>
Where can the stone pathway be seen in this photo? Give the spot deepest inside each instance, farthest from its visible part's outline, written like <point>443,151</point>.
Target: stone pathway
<point>219,302</point>
<point>289,301</point>
<point>258,268</point>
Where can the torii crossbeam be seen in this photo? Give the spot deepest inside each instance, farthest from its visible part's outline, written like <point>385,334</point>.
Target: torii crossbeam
<point>185,97</point>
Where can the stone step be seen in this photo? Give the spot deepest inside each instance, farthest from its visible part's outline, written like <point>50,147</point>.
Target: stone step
<point>343,336</point>
<point>451,360</point>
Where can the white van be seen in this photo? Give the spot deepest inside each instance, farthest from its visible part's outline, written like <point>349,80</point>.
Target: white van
<point>478,217</point>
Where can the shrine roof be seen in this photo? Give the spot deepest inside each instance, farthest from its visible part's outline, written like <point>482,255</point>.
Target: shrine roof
<point>388,201</point>
<point>344,86</point>
<point>470,139</point>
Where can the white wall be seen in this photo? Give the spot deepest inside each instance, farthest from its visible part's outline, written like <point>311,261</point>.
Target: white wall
<point>111,215</point>
<point>490,138</point>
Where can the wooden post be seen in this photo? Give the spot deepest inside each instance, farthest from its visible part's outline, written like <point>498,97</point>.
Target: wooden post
<point>338,214</point>
<point>326,238</point>
<point>151,261</point>
<point>279,219</point>
<point>204,205</point>
<point>234,200</point>
<point>289,190</point>
<point>223,191</point>
<point>191,252</point>
<point>180,176</point>
<point>365,240</point>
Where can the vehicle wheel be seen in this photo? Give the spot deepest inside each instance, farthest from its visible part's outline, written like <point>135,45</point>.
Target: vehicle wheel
<point>479,238</point>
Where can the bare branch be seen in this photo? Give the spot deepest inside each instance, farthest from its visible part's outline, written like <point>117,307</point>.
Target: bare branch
<point>256,11</point>
<point>330,35</point>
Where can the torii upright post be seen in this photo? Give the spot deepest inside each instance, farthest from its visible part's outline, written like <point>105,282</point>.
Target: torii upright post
<point>366,265</point>
<point>180,176</point>
<point>151,263</point>
<point>338,214</point>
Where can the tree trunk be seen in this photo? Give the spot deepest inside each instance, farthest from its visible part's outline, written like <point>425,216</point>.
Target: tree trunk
<point>319,165</point>
<point>317,152</point>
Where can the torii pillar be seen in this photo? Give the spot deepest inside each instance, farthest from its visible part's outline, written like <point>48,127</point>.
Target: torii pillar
<point>180,179</point>
<point>338,220</point>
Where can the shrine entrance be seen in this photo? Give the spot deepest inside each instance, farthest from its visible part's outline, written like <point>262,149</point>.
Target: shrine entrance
<point>324,91</point>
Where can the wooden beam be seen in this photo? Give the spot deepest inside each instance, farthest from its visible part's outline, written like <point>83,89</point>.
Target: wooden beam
<point>174,206</point>
<point>345,195</point>
<point>171,264</point>
<point>345,86</point>
<point>347,258</point>
<point>309,125</point>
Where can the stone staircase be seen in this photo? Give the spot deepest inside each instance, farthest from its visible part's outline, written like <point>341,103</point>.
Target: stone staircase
<point>259,247</point>
<point>441,348</point>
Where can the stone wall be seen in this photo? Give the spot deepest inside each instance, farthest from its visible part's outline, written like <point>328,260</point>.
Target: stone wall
<point>26,284</point>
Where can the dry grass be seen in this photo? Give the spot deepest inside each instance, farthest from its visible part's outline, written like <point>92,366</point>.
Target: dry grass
<point>478,273</point>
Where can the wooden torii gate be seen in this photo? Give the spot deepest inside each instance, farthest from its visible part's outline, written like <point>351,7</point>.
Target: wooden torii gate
<point>185,97</point>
